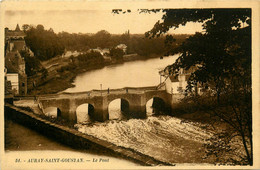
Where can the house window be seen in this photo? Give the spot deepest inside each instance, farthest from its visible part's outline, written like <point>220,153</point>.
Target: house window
<point>23,84</point>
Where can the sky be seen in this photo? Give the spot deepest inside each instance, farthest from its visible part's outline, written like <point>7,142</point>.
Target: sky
<point>90,21</point>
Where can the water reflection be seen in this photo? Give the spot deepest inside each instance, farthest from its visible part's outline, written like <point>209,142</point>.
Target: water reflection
<point>52,112</point>
<point>114,110</point>
<point>149,108</point>
<point>82,113</point>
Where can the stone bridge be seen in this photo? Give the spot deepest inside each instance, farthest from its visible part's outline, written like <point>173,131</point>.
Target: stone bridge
<point>133,102</point>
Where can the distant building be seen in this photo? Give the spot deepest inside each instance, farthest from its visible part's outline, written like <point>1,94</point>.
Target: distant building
<point>103,52</point>
<point>122,47</point>
<point>14,62</point>
<point>71,53</point>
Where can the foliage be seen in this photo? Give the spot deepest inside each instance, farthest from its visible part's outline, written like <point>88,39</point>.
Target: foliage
<point>145,47</point>
<point>32,64</point>
<point>116,53</point>
<point>231,121</point>
<point>91,58</point>
<point>135,43</point>
<point>234,107</point>
<point>45,44</point>
<point>102,38</point>
<point>222,57</point>
<point>72,42</point>
<point>218,51</point>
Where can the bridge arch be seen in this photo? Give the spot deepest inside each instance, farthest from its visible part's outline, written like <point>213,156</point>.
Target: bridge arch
<point>84,112</point>
<point>53,112</point>
<point>118,108</point>
<point>155,106</point>
<point>132,102</point>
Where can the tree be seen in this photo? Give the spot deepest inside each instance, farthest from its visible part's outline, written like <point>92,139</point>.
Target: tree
<point>117,53</point>
<point>26,27</point>
<point>91,58</point>
<point>222,55</point>
<point>45,44</point>
<point>32,64</point>
<point>102,38</point>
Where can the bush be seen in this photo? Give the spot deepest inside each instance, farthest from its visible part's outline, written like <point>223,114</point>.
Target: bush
<point>194,103</point>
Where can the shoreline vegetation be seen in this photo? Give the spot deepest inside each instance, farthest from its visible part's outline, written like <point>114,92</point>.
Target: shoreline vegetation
<point>62,78</point>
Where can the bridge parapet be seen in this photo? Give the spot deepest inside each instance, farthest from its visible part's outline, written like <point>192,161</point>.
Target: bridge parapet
<point>94,92</point>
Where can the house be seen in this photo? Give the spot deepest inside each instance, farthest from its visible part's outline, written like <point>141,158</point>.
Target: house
<point>172,84</point>
<point>104,52</point>
<point>8,89</point>
<point>122,47</point>
<point>13,78</point>
<point>177,83</point>
<point>67,54</point>
<point>14,62</point>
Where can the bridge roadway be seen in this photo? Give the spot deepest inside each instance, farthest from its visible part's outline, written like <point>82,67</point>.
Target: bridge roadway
<point>133,102</point>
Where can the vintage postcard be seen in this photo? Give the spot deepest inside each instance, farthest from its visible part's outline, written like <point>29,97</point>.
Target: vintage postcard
<point>129,85</point>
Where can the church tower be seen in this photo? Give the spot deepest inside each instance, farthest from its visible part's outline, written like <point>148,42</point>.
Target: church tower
<point>17,28</point>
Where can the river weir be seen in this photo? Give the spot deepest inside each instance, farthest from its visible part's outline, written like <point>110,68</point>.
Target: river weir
<point>163,137</point>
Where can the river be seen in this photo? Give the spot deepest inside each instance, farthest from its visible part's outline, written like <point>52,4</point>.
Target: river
<point>129,74</point>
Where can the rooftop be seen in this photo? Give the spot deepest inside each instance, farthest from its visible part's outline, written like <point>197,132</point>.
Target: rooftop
<point>173,79</point>
<point>14,33</point>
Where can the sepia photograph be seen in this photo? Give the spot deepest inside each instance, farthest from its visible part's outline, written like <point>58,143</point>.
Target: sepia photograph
<point>116,85</point>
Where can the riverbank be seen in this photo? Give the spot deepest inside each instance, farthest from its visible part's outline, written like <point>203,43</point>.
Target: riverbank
<point>21,141</point>
<point>74,138</point>
<point>62,78</point>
